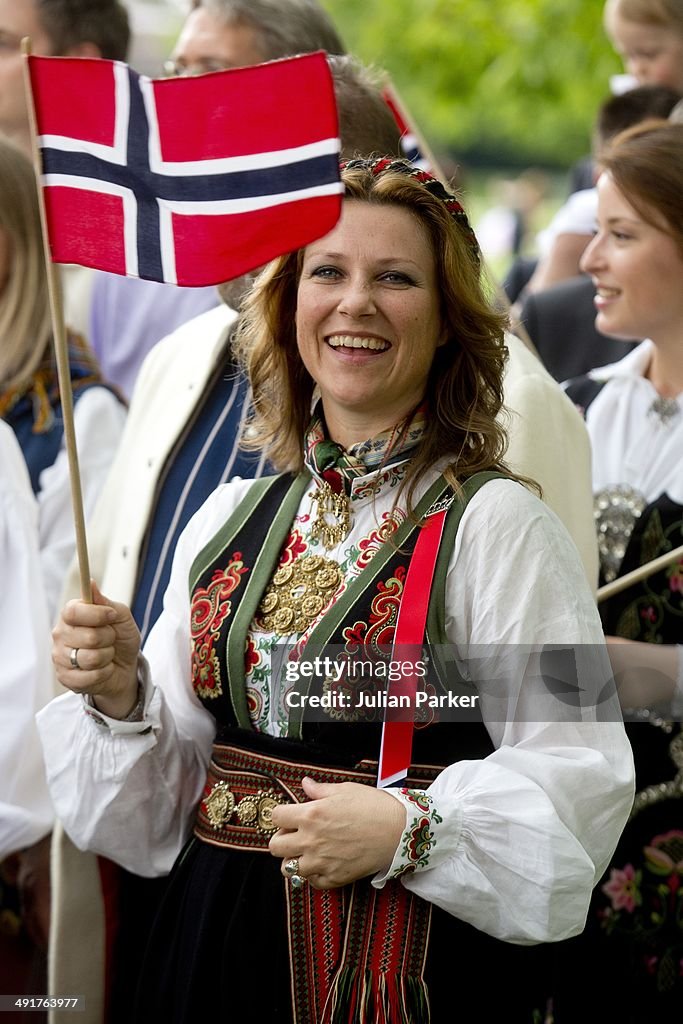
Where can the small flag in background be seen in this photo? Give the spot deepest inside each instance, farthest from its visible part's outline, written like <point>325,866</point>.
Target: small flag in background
<point>191,181</point>
<point>410,144</point>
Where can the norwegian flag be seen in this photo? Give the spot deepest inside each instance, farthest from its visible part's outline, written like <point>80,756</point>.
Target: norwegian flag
<point>191,181</point>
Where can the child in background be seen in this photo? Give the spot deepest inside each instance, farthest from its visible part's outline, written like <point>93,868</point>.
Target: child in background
<point>648,35</point>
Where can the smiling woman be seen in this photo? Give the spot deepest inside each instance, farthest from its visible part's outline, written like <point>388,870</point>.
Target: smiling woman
<point>376,370</point>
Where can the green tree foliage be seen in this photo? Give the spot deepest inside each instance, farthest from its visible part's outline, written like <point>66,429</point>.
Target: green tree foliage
<point>512,79</point>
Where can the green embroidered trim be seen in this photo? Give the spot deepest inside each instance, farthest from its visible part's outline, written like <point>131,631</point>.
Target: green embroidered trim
<point>261,573</point>
<point>221,540</point>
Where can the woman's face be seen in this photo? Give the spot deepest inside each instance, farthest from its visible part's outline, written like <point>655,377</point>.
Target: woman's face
<point>653,54</point>
<point>637,270</point>
<point>368,318</point>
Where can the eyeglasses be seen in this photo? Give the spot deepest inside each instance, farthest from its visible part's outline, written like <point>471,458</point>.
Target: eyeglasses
<point>179,69</point>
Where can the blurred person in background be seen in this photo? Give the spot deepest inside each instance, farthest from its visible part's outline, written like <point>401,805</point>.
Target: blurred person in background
<point>648,35</point>
<point>503,229</point>
<point>25,686</point>
<point>562,243</point>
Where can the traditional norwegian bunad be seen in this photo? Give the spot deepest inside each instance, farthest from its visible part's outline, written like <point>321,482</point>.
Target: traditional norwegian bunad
<point>635,925</point>
<point>278,581</point>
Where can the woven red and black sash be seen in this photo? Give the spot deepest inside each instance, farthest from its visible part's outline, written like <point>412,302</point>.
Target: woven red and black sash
<point>356,953</point>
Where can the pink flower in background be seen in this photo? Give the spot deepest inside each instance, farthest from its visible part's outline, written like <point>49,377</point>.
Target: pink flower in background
<point>622,888</point>
<point>676,578</point>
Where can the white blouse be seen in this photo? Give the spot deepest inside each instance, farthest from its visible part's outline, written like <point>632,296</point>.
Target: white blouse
<point>631,443</point>
<point>525,833</point>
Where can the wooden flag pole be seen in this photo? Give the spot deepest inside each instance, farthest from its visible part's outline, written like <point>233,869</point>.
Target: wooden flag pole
<point>60,344</point>
<point>516,325</point>
<point>641,573</point>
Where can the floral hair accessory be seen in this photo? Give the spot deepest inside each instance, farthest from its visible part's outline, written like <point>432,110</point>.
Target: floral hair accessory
<point>433,186</point>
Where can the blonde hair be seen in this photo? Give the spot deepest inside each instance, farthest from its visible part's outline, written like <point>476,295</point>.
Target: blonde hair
<point>24,305</point>
<point>464,389</point>
<point>663,13</point>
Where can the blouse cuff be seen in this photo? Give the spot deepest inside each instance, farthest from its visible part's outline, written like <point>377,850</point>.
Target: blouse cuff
<point>427,837</point>
<point>140,721</point>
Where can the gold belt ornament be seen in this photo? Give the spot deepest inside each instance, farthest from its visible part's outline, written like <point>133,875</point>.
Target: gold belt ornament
<point>297,594</point>
<point>253,810</point>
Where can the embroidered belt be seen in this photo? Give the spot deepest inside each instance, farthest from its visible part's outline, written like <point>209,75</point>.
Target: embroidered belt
<point>355,953</point>
<point>242,788</point>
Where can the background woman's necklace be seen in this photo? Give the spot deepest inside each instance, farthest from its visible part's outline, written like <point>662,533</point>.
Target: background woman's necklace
<point>664,409</point>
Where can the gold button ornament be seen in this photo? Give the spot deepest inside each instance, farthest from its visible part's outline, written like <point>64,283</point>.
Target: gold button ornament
<point>297,594</point>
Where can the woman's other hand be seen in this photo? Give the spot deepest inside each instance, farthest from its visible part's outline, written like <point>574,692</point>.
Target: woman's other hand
<point>345,831</point>
<point>95,650</point>
<point>645,673</point>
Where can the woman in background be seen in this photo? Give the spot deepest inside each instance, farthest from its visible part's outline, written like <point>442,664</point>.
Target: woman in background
<point>633,944</point>
<point>25,686</point>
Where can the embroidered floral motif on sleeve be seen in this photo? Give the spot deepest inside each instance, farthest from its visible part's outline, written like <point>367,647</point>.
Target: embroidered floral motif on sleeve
<point>418,839</point>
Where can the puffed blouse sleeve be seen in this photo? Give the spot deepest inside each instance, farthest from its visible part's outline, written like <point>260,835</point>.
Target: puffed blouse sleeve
<point>515,842</point>
<point>128,790</point>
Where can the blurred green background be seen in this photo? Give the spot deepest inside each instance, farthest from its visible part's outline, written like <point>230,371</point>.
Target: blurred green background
<point>510,83</point>
<point>496,88</point>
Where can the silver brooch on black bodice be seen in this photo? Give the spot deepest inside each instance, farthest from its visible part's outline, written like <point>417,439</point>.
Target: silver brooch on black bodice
<point>616,510</point>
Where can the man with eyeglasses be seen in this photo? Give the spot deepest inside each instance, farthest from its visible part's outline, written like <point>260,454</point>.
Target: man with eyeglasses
<point>220,34</point>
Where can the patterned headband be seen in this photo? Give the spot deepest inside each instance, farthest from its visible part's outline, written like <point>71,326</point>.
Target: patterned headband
<point>433,186</point>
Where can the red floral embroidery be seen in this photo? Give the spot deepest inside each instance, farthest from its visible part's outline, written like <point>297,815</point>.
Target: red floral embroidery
<point>252,657</point>
<point>380,628</point>
<point>421,800</point>
<point>418,839</point>
<point>294,546</point>
<point>209,610</point>
<point>369,545</point>
<point>254,703</point>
